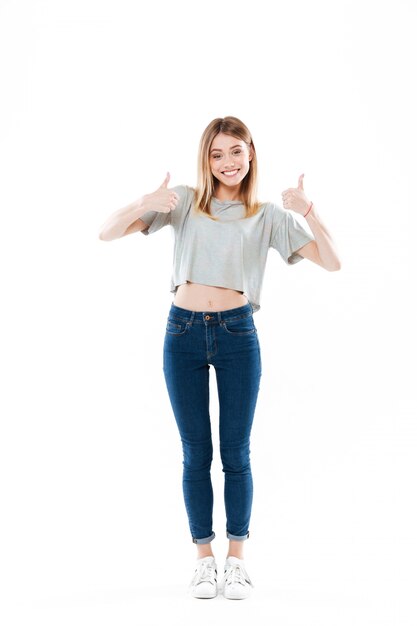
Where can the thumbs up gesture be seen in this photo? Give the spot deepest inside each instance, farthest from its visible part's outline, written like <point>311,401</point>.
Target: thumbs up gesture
<point>295,199</point>
<point>163,199</point>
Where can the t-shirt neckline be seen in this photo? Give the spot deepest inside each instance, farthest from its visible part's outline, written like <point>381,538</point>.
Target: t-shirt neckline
<point>226,201</point>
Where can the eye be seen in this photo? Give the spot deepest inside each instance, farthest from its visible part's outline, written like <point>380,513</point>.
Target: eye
<point>237,151</point>
<point>215,156</point>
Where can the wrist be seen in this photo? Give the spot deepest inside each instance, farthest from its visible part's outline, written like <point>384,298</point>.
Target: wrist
<point>309,209</point>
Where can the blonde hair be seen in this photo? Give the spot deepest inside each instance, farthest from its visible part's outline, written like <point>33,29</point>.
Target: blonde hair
<point>206,185</point>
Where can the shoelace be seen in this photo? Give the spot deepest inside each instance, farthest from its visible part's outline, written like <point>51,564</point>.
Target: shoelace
<point>204,572</point>
<point>237,574</point>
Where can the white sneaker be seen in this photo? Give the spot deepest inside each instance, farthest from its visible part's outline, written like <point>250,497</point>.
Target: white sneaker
<point>204,581</point>
<point>236,584</point>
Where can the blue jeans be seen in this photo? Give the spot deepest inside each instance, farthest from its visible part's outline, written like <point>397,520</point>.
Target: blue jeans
<point>228,340</point>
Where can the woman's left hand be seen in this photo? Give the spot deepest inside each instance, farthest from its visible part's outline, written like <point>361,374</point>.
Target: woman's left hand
<point>295,199</point>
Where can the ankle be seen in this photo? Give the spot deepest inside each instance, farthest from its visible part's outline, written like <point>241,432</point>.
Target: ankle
<point>202,555</point>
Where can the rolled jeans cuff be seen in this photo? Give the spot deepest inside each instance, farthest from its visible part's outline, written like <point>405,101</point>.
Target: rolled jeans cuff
<point>236,537</point>
<point>204,539</point>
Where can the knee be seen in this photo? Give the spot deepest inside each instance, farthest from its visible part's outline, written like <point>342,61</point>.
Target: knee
<point>197,455</point>
<point>236,458</point>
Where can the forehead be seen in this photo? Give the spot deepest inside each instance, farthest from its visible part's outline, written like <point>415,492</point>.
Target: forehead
<point>224,142</point>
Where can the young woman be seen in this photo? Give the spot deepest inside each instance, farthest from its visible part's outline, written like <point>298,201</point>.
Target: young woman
<point>222,238</point>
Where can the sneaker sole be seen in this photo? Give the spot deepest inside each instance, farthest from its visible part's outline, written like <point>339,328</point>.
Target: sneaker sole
<point>203,596</point>
<point>235,596</point>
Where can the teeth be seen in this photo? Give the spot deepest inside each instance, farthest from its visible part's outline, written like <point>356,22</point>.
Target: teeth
<point>232,173</point>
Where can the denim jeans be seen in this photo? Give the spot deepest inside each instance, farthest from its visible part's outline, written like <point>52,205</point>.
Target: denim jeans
<point>228,340</point>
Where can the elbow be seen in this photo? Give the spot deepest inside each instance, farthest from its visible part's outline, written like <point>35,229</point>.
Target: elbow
<point>103,237</point>
<point>335,267</point>
<point>331,266</point>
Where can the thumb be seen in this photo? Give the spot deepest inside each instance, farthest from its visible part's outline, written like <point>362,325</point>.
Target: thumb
<point>166,181</point>
<point>300,182</point>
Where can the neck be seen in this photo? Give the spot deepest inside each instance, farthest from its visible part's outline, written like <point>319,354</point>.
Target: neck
<point>226,194</point>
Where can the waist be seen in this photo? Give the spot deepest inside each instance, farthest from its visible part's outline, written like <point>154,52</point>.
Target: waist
<point>214,317</point>
<point>199,298</point>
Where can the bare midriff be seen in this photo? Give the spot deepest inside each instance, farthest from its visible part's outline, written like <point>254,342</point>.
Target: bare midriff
<point>197,297</point>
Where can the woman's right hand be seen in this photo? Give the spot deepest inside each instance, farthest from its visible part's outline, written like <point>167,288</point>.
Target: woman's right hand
<point>163,199</point>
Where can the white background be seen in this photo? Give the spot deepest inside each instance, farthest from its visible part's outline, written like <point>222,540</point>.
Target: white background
<point>99,100</point>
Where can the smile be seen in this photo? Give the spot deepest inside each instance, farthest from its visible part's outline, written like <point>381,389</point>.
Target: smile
<point>230,173</point>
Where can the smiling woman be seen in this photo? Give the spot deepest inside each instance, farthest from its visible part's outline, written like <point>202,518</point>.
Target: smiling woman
<point>223,234</point>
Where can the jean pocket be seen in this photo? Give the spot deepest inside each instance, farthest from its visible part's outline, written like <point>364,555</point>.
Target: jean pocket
<point>241,326</point>
<point>176,326</point>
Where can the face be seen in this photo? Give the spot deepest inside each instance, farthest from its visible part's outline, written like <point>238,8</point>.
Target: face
<point>229,154</point>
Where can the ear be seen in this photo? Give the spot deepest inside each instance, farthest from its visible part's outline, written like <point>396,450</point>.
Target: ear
<point>250,153</point>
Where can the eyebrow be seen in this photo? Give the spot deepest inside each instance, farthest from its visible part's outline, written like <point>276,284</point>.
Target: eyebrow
<point>220,150</point>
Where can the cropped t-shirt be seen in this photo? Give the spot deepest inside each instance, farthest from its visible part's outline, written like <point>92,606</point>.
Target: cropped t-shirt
<point>231,252</point>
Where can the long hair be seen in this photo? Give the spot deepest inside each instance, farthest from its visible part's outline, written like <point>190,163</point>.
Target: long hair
<point>206,182</point>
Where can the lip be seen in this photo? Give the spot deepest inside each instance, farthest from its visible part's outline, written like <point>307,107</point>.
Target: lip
<point>236,170</point>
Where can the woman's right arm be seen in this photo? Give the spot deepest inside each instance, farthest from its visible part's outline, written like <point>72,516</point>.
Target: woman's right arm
<point>124,221</point>
<point>127,220</point>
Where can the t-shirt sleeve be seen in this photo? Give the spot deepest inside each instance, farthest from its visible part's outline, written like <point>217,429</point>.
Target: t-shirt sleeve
<point>157,219</point>
<point>288,236</point>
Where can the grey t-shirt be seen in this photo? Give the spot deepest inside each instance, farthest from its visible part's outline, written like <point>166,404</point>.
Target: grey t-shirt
<point>231,252</point>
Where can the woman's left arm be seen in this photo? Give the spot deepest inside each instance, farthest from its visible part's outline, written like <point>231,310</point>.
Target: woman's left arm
<point>322,250</point>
